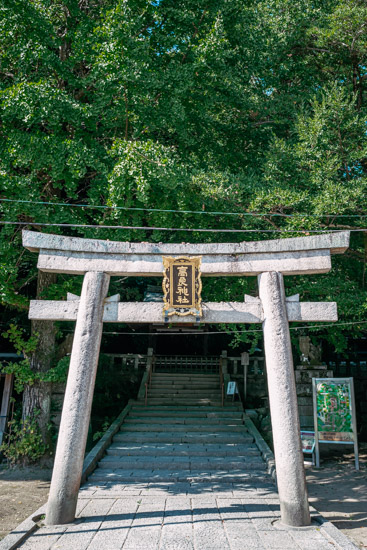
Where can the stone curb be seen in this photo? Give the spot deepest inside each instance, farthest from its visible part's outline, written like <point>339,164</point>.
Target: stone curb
<point>29,525</point>
<point>331,532</point>
<point>264,448</point>
<point>24,529</point>
<point>92,458</point>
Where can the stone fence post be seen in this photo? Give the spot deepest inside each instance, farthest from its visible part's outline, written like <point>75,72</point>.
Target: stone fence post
<point>149,359</point>
<point>245,361</point>
<point>224,362</point>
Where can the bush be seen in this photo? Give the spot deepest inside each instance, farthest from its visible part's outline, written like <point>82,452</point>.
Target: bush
<point>24,444</point>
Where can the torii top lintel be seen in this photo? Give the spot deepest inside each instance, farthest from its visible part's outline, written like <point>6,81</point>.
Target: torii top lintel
<point>290,256</point>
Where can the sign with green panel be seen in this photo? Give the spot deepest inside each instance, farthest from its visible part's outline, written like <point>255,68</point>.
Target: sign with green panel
<point>334,412</point>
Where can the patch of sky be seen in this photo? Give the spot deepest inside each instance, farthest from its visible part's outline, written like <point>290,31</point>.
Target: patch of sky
<point>354,171</point>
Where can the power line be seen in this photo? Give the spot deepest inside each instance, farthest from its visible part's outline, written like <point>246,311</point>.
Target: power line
<point>232,331</point>
<point>209,213</point>
<point>203,333</point>
<point>186,229</point>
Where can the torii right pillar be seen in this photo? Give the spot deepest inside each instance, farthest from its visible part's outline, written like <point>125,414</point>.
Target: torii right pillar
<point>283,402</point>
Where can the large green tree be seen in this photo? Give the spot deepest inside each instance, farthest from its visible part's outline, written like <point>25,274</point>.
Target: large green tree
<point>256,107</point>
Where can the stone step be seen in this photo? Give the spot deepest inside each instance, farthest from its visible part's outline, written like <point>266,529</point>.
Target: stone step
<point>184,382</point>
<point>177,402</point>
<point>174,437</point>
<point>220,415</point>
<point>132,419</point>
<point>185,397</point>
<point>167,378</point>
<point>182,386</point>
<point>181,449</point>
<point>179,410</point>
<point>205,392</point>
<point>181,401</point>
<point>215,381</point>
<point>183,428</point>
<point>140,406</point>
<point>186,387</point>
<point>150,476</point>
<point>184,463</point>
<point>197,411</point>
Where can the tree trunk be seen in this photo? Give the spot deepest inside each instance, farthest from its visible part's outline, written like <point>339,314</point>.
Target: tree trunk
<point>365,259</point>
<point>37,397</point>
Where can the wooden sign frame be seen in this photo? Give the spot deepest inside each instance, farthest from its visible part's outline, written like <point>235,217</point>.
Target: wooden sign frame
<point>335,439</point>
<point>182,286</point>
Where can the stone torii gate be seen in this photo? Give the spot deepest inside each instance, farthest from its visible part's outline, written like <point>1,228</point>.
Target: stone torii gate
<point>97,260</point>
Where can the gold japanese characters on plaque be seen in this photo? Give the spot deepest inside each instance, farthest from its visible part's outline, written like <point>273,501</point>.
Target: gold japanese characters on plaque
<point>182,286</point>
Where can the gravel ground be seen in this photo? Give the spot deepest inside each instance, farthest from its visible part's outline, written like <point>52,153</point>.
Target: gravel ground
<point>339,493</point>
<point>22,491</point>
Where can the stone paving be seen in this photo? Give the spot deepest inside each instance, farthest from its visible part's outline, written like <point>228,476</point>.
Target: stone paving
<point>173,480</point>
<point>183,516</point>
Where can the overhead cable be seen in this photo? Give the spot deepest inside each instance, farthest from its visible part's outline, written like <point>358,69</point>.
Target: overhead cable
<point>229,333</point>
<point>184,229</point>
<point>171,211</point>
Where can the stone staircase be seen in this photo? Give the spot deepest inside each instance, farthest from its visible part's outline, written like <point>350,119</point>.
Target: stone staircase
<point>183,434</point>
<point>185,389</point>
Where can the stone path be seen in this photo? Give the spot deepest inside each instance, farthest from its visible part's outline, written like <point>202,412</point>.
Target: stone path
<point>182,516</point>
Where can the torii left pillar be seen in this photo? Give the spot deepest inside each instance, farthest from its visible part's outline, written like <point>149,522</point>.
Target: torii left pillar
<point>74,425</point>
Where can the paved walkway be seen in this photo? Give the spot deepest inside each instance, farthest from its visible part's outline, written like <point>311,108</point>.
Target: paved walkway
<point>183,516</point>
<point>182,474</point>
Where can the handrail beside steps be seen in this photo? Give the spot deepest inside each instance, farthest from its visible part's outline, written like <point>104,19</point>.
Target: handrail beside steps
<point>221,380</point>
<point>150,368</point>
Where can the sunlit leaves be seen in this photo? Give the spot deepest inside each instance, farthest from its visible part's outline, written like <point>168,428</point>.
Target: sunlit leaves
<point>230,106</point>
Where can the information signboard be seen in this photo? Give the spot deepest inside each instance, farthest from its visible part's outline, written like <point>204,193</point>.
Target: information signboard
<point>308,441</point>
<point>334,413</point>
<point>232,388</point>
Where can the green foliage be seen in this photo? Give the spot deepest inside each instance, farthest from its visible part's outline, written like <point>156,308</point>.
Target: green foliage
<point>232,106</point>
<point>106,424</point>
<point>23,444</point>
<point>15,335</point>
<point>23,374</point>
